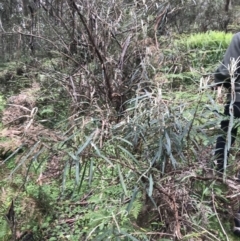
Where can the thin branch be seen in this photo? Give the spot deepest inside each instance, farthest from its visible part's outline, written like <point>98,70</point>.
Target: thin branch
<point>214,208</point>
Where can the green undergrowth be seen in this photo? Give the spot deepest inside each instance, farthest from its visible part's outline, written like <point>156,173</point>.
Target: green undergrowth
<point>102,194</point>
<point>137,178</point>
<point>64,211</point>
<point>195,55</point>
<point>209,40</point>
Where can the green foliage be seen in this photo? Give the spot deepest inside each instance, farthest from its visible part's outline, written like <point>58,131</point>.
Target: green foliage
<point>182,79</point>
<point>100,214</point>
<point>53,103</point>
<point>137,207</point>
<point>194,55</point>
<point>123,156</point>
<point>211,40</point>
<point>204,49</point>
<point>103,185</point>
<point>5,232</point>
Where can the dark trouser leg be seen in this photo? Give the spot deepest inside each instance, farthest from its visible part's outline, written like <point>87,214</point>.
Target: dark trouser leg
<point>221,140</point>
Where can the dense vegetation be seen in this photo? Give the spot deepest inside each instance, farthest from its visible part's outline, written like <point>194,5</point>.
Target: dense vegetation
<point>108,124</point>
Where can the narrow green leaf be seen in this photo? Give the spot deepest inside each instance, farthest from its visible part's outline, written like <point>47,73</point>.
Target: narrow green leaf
<point>153,202</point>
<point>163,164</point>
<point>65,177</point>
<point>150,190</point>
<point>15,152</point>
<point>75,158</point>
<point>100,155</point>
<point>169,150</point>
<point>82,178</point>
<point>77,171</point>
<point>122,180</point>
<point>129,236</point>
<point>173,160</point>
<point>134,195</point>
<point>128,154</point>
<point>69,138</point>
<point>122,139</point>
<point>168,145</point>
<point>91,171</point>
<point>25,158</point>
<point>41,159</point>
<point>89,139</point>
<point>158,153</point>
